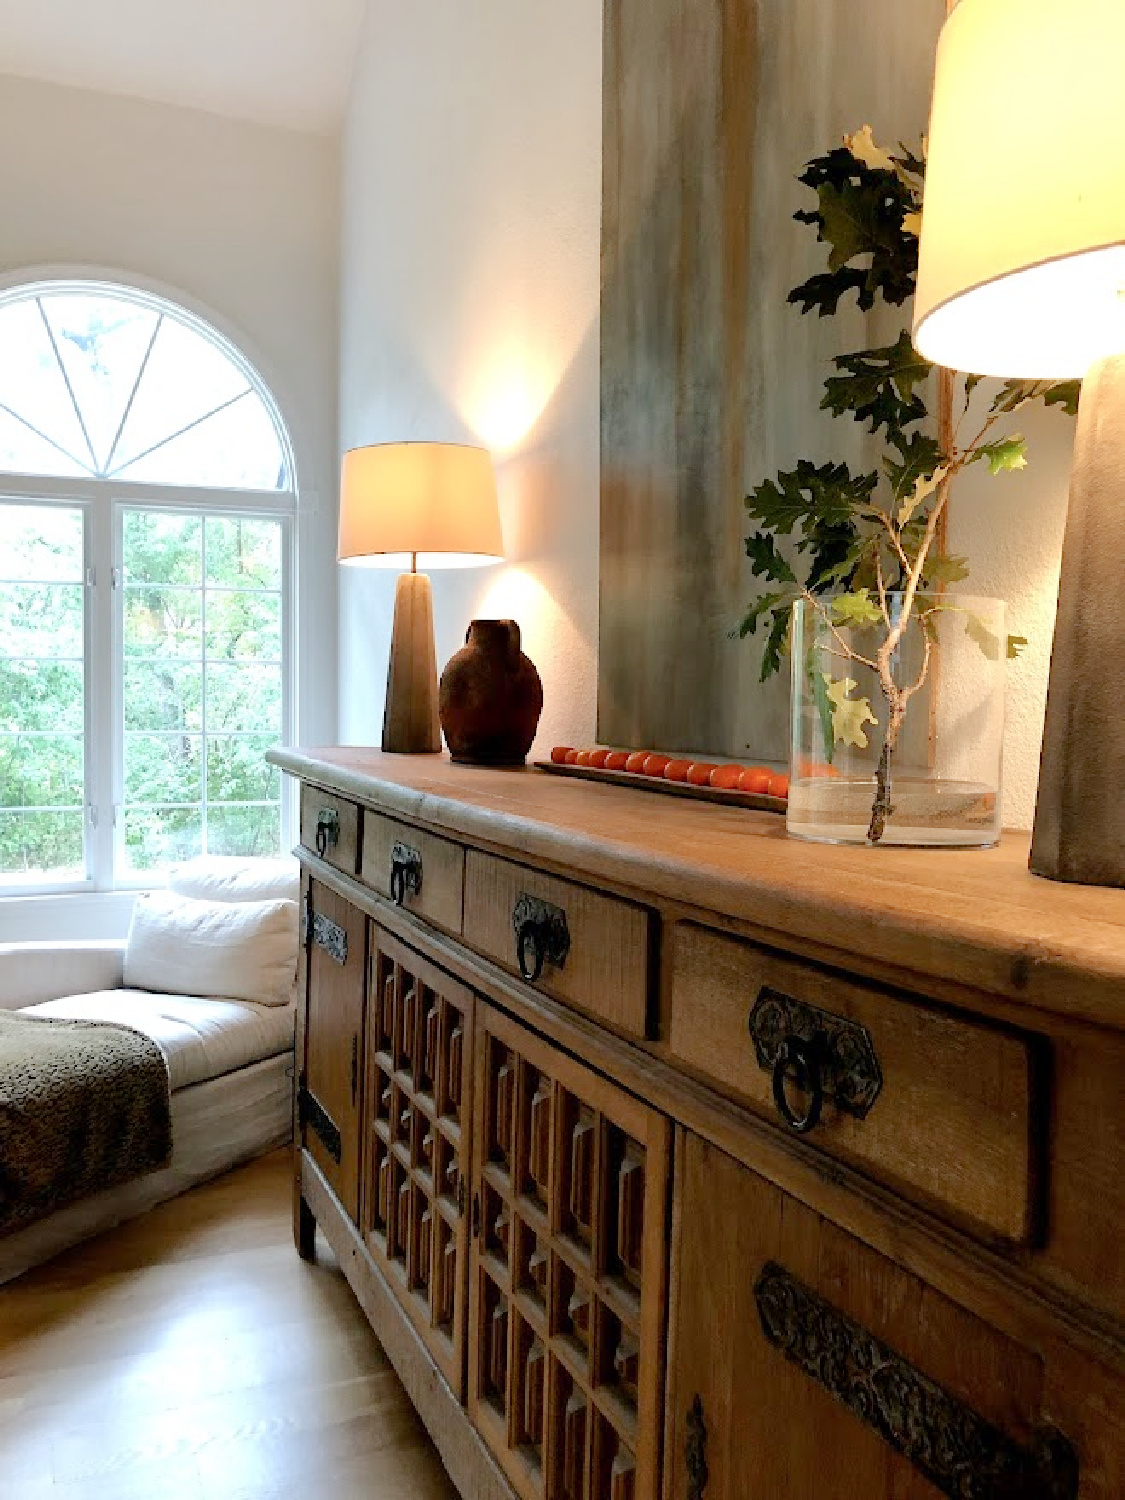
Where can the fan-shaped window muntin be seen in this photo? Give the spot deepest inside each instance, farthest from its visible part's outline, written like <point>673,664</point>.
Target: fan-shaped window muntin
<point>98,382</point>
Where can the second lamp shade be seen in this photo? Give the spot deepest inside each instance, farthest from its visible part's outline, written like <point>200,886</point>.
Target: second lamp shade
<point>436,500</point>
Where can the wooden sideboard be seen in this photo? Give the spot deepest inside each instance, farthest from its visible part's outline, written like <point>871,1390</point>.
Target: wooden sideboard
<point>669,1157</point>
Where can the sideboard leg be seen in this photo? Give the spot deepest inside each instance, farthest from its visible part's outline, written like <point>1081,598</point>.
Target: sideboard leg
<point>304,1228</point>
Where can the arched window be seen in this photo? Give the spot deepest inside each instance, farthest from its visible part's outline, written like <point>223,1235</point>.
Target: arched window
<point>146,502</point>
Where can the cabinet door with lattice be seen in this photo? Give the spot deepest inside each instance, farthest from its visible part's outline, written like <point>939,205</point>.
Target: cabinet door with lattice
<point>418,1125</point>
<point>568,1271</point>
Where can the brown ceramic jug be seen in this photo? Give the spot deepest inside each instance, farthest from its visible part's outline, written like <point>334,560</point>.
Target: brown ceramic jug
<point>490,697</point>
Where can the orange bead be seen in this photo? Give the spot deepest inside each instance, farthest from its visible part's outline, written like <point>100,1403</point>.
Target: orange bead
<point>598,758</point>
<point>582,758</point>
<point>617,760</point>
<point>571,757</point>
<point>779,785</point>
<point>560,753</point>
<point>699,772</point>
<point>756,779</point>
<point>726,777</point>
<point>655,763</point>
<point>676,770</point>
<point>636,761</point>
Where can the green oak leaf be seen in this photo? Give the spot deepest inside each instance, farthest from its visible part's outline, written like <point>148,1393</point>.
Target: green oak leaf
<point>978,631</point>
<point>849,715</point>
<point>766,561</point>
<point>1003,455</point>
<point>855,610</point>
<point>826,495</point>
<point>878,386</point>
<point>818,686</point>
<point>944,569</point>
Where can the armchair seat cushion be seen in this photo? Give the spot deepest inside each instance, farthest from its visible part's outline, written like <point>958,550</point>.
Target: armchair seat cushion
<point>200,1038</point>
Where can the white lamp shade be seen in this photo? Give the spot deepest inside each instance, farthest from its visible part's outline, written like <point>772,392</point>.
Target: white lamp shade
<point>1022,259</point>
<point>435,500</point>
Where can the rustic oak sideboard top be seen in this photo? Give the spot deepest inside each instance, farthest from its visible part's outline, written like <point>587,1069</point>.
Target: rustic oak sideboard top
<point>932,917</point>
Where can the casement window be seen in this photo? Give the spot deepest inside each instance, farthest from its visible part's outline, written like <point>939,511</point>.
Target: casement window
<point>147,504</point>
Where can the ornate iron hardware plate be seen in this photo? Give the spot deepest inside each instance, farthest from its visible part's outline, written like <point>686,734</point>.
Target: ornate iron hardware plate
<point>695,1451</point>
<point>960,1453</point>
<point>311,1113</point>
<point>542,935</point>
<point>327,830</point>
<point>831,1054</point>
<point>325,934</point>
<point>406,873</point>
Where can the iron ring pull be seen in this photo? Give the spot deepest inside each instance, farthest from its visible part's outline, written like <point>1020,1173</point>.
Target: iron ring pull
<point>406,873</point>
<point>327,830</point>
<point>800,1060</point>
<point>531,937</point>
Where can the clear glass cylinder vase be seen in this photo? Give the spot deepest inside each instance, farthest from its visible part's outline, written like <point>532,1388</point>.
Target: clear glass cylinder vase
<point>897,720</point>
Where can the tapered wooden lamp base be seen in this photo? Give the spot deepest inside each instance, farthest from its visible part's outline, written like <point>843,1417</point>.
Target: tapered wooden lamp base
<point>410,715</point>
<point>1080,813</point>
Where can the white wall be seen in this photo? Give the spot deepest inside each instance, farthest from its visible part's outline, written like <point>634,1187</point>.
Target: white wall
<point>241,223</point>
<point>469,302</point>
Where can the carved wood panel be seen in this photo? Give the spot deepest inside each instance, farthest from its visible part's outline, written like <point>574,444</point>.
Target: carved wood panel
<point>417,1166</point>
<point>568,1272</point>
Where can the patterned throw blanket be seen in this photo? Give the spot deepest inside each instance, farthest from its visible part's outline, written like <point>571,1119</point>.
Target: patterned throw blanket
<point>83,1106</point>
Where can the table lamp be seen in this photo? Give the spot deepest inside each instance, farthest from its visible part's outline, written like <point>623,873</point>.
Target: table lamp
<point>408,505</point>
<point>1022,274</point>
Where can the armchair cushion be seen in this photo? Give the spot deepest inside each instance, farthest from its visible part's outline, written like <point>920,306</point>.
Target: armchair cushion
<point>33,972</point>
<point>244,950</point>
<point>224,877</point>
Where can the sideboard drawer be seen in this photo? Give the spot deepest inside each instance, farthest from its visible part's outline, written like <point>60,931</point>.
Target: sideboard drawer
<point>586,948</point>
<point>938,1106</point>
<point>330,827</point>
<point>418,871</point>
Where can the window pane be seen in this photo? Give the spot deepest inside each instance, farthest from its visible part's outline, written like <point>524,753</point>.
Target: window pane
<point>42,844</point>
<point>163,622</point>
<point>32,386</point>
<point>186,378</point>
<point>41,620</point>
<point>163,695</point>
<point>40,695</point>
<point>155,837</point>
<point>242,553</point>
<point>237,769</point>
<point>246,698</point>
<point>237,448</point>
<point>40,543</point>
<point>41,770</point>
<point>163,768</point>
<point>102,343</point>
<point>163,547</point>
<point>244,830</point>
<point>243,625</point>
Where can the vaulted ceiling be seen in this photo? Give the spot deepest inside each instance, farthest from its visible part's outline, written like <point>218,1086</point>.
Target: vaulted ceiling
<point>280,62</point>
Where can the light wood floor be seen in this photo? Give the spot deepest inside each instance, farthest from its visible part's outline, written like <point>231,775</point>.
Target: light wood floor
<point>191,1355</point>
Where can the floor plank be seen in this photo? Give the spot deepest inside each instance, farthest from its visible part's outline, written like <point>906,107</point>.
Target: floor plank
<point>192,1354</point>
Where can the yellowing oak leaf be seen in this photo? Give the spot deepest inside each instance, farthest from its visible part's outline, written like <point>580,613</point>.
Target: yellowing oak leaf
<point>849,715</point>
<point>922,489</point>
<point>862,146</point>
<point>855,609</point>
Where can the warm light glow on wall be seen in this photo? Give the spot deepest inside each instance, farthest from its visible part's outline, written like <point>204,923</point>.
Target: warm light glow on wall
<point>505,397</point>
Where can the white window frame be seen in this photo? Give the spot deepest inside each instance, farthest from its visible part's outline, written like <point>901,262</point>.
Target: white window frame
<point>102,502</point>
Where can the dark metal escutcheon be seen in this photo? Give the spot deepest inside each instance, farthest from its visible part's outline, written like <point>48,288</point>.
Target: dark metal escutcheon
<point>406,873</point>
<point>542,935</point>
<point>325,934</point>
<point>821,1055</point>
<point>695,1451</point>
<point>960,1452</point>
<point>327,830</point>
<point>311,1113</point>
